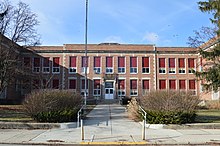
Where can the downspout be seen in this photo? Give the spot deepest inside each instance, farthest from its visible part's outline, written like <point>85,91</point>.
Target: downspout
<point>155,66</point>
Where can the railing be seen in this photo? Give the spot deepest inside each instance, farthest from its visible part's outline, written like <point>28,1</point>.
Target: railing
<point>144,114</point>
<point>79,115</point>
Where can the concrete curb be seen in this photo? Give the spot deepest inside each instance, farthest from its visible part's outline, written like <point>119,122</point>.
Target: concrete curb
<point>193,126</point>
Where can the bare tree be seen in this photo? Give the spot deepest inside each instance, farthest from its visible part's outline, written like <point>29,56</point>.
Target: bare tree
<point>18,24</point>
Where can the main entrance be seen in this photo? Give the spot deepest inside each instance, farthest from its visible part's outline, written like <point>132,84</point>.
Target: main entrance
<point>109,90</point>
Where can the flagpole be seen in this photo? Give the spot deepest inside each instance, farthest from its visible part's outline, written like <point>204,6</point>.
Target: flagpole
<point>86,57</point>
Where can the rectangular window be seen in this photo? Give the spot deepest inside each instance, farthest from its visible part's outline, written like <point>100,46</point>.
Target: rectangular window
<point>46,65</point>
<point>162,84</point>
<point>133,65</point>
<point>96,87</point>
<point>56,64</point>
<point>84,64</point>
<point>121,65</point>
<point>182,68</point>
<point>109,65</point>
<point>133,87</point>
<point>182,84</point>
<point>121,87</point>
<point>172,66</point>
<point>27,62</point>
<point>83,90</point>
<point>72,64</point>
<point>55,84</point>
<point>162,67</point>
<point>97,65</point>
<point>172,84</point>
<point>72,84</point>
<point>191,65</point>
<point>192,86</point>
<point>46,83</point>
<point>36,64</point>
<point>145,65</point>
<point>145,86</point>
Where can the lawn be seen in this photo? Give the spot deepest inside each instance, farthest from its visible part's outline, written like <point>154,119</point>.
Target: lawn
<point>208,116</point>
<point>13,113</point>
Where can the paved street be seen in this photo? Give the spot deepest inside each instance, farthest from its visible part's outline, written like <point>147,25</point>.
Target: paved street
<point>108,124</point>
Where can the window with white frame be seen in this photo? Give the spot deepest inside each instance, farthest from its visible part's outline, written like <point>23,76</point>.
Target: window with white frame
<point>97,65</point>
<point>46,65</point>
<point>84,87</point>
<point>121,87</point>
<point>109,65</point>
<point>84,64</point>
<point>145,65</point>
<point>182,84</point>
<point>162,66</point>
<point>121,65</point>
<point>191,65</point>
<point>192,86</point>
<point>133,87</point>
<point>162,84</point>
<point>145,86</point>
<point>133,65</point>
<point>56,64</point>
<point>72,84</point>
<point>97,87</point>
<point>36,64</point>
<point>172,65</point>
<point>72,64</point>
<point>172,84</point>
<point>182,67</point>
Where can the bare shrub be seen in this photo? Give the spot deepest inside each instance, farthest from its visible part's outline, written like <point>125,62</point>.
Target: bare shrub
<point>170,107</point>
<point>51,103</point>
<point>215,104</point>
<point>133,110</point>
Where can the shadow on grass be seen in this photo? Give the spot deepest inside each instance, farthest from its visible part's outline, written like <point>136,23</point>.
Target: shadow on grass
<point>208,116</point>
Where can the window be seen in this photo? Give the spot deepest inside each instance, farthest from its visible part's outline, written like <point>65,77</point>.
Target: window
<point>133,65</point>
<point>121,87</point>
<point>46,65</point>
<point>109,65</point>
<point>172,66</point>
<point>97,65</point>
<point>162,69</point>
<point>55,84</point>
<point>72,64</point>
<point>172,84</point>
<point>133,87</point>
<point>56,66</point>
<point>121,65</point>
<point>96,87</point>
<point>145,86</point>
<point>162,84</point>
<point>83,88</point>
<point>182,84</point>
<point>192,86</point>
<point>27,62</point>
<point>145,65</point>
<point>72,84</point>
<point>45,83</point>
<point>36,65</point>
<point>181,62</point>
<point>84,64</point>
<point>191,65</point>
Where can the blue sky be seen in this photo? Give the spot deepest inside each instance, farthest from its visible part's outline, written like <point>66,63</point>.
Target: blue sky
<point>162,22</point>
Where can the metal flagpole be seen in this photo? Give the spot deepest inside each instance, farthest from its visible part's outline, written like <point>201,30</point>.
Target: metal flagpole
<point>86,57</point>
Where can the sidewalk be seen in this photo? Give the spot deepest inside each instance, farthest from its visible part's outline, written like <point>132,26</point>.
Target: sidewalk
<point>108,124</point>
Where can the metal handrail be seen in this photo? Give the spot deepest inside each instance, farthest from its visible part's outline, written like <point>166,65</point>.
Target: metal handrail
<point>79,115</point>
<point>144,114</point>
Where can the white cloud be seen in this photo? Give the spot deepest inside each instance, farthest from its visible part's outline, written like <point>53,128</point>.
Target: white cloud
<point>151,37</point>
<point>113,39</point>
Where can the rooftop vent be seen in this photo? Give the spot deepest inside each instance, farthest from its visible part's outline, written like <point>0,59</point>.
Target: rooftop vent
<point>109,44</point>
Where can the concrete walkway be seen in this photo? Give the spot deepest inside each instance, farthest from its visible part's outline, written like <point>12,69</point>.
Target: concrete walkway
<point>108,124</point>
